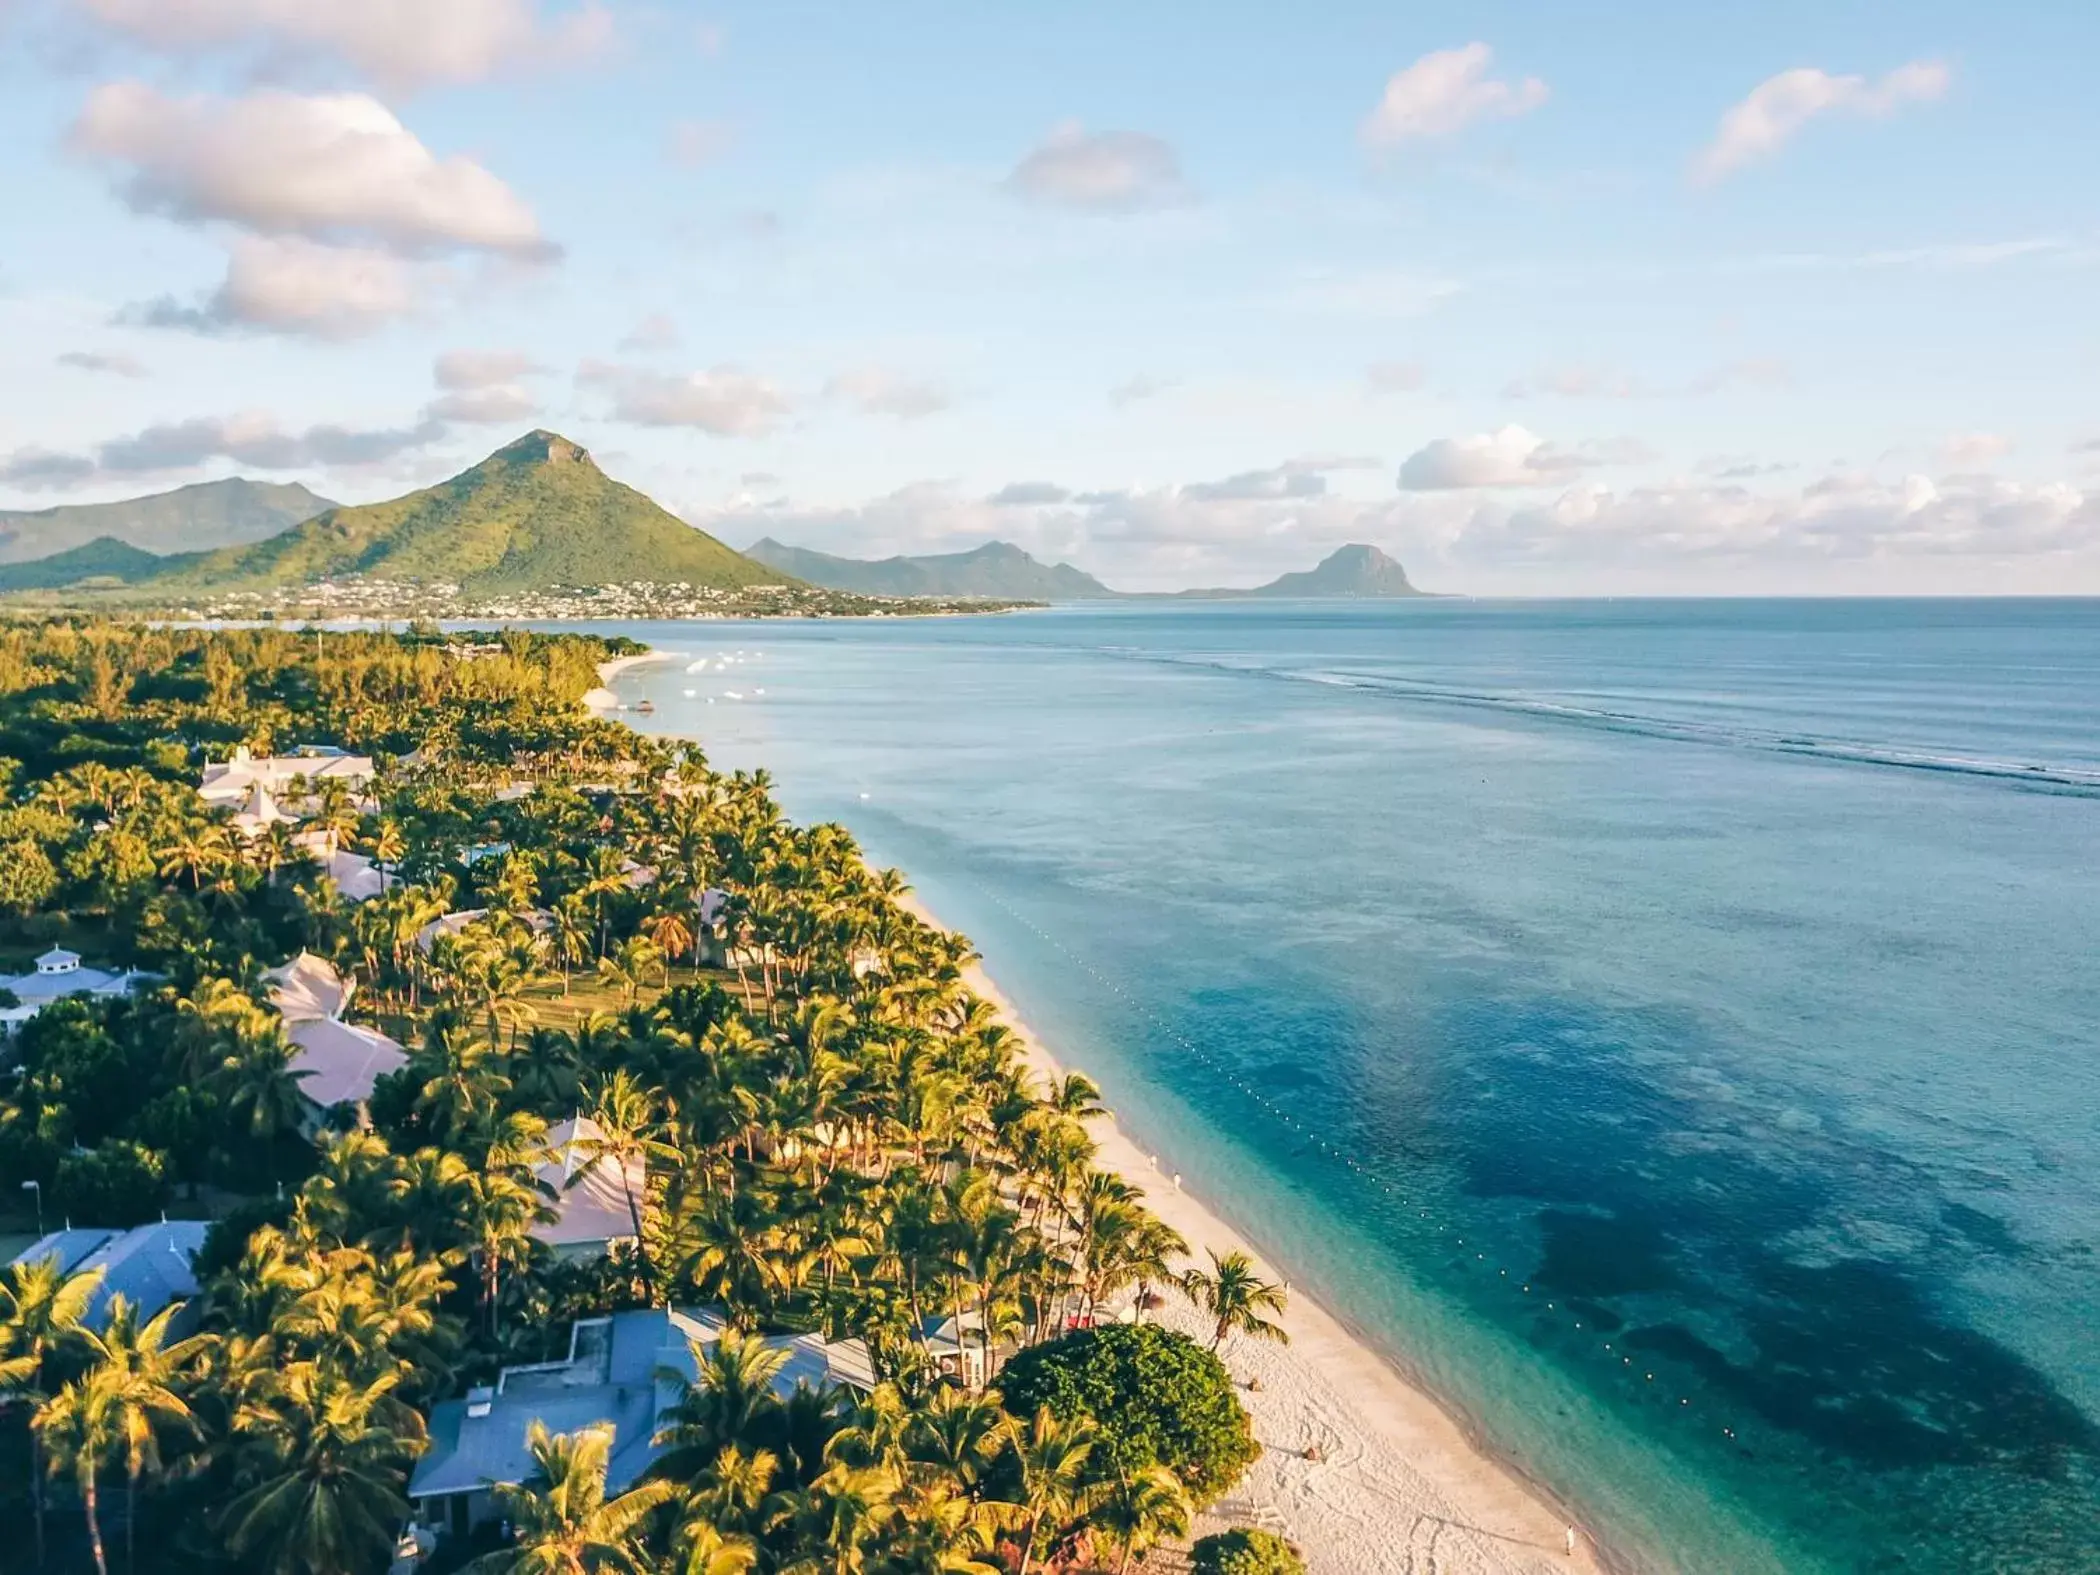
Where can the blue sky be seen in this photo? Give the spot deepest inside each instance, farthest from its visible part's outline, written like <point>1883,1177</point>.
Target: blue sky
<point>1542,299</point>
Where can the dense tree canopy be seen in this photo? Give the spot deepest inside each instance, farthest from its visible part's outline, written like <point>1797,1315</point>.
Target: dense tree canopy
<point>834,1134</point>
<point>1157,1397</point>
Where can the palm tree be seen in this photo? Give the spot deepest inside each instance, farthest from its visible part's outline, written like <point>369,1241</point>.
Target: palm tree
<point>327,1457</point>
<point>626,1140</point>
<point>1142,1509</point>
<point>41,1309</point>
<point>565,1525</point>
<point>703,1549</point>
<point>78,1430</point>
<point>725,1407</point>
<point>669,931</point>
<point>1050,1458</point>
<point>955,1438</point>
<point>1234,1295</point>
<point>140,1367</point>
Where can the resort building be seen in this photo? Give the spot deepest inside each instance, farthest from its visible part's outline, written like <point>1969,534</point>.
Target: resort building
<point>452,923</point>
<point>59,974</point>
<point>594,1204</point>
<point>149,1266</point>
<point>308,989</point>
<point>229,783</point>
<point>335,1062</point>
<point>626,1371</point>
<point>260,811</point>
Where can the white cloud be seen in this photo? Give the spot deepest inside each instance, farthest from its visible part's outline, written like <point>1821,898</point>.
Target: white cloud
<point>876,392</point>
<point>1100,171</point>
<point>655,332</point>
<point>1780,106</point>
<point>1575,382</point>
<point>1510,457</point>
<point>1974,450</point>
<point>482,387</point>
<point>287,284</point>
<point>335,167</point>
<point>405,43</point>
<point>252,440</point>
<point>724,401</point>
<point>1396,377</point>
<point>1443,93</point>
<point>113,363</point>
<point>499,403</point>
<point>1135,390</point>
<point>698,142</point>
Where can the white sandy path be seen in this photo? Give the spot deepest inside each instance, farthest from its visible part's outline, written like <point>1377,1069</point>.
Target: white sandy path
<point>1398,1489</point>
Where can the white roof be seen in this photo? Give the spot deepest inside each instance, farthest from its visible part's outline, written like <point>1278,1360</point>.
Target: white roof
<point>307,989</point>
<point>337,1063</point>
<point>590,1201</point>
<point>453,923</point>
<point>58,960</point>
<point>228,781</point>
<point>356,877</point>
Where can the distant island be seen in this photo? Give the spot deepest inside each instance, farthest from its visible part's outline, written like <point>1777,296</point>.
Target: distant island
<point>535,531</point>
<point>999,568</point>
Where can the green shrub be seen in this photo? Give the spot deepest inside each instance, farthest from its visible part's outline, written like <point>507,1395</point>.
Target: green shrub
<point>1245,1553</point>
<point>1158,1397</point>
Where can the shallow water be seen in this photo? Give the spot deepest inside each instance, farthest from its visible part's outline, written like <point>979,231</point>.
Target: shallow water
<point>1667,1027</point>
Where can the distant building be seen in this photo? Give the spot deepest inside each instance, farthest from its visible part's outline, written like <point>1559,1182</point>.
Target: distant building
<point>149,1266</point>
<point>452,923</point>
<point>308,989</point>
<point>260,811</point>
<point>229,783</point>
<point>59,974</point>
<point>338,1063</point>
<point>357,878</point>
<point>591,1203</point>
<point>623,1371</point>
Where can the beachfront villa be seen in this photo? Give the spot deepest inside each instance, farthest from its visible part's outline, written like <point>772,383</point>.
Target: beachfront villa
<point>149,1266</point>
<point>594,1203</point>
<point>336,1063</point>
<point>230,783</point>
<point>453,923</point>
<point>626,1371</point>
<point>59,974</point>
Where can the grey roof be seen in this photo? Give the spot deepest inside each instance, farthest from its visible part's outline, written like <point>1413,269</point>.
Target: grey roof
<point>617,1372</point>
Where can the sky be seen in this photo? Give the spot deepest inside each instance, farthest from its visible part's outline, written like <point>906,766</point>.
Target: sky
<point>1542,299</point>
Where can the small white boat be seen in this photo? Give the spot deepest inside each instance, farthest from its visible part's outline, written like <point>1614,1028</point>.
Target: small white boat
<point>689,693</point>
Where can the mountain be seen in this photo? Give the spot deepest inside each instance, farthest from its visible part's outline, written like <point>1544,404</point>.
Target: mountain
<point>534,515</point>
<point>1352,571</point>
<point>194,518</point>
<point>105,559</point>
<point>997,569</point>
<point>1348,573</point>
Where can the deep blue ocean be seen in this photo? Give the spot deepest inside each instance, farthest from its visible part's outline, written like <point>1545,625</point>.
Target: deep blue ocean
<point>1671,1029</point>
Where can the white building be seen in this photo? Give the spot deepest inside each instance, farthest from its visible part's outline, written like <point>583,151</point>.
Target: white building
<point>58,975</point>
<point>229,783</point>
<point>336,1063</point>
<point>594,1204</point>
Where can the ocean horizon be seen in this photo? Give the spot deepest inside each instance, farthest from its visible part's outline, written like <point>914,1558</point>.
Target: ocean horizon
<point>1665,1027</point>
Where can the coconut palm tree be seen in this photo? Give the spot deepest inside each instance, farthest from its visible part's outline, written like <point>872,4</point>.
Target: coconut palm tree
<point>78,1430</point>
<point>564,1523</point>
<point>41,1309</point>
<point>628,1140</point>
<point>141,1367</point>
<point>1050,1460</point>
<point>1141,1509</point>
<point>1236,1297</point>
<point>326,1459</point>
<point>728,1405</point>
<point>701,1548</point>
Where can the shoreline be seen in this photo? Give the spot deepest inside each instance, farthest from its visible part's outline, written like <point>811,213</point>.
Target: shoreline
<point>600,700</point>
<point>1402,1486</point>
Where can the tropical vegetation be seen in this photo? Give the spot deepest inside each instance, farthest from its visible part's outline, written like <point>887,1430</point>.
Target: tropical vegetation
<point>837,1136</point>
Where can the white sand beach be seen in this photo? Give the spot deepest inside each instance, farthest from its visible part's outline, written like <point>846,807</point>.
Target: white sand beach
<point>601,699</point>
<point>1398,1488</point>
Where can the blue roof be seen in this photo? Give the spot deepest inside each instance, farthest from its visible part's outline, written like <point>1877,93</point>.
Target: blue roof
<point>149,1266</point>
<point>67,1246</point>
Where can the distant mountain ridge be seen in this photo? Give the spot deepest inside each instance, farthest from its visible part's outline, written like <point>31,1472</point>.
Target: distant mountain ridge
<point>1355,572</point>
<point>103,559</point>
<point>195,518</point>
<point>998,569</point>
<point>535,515</point>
